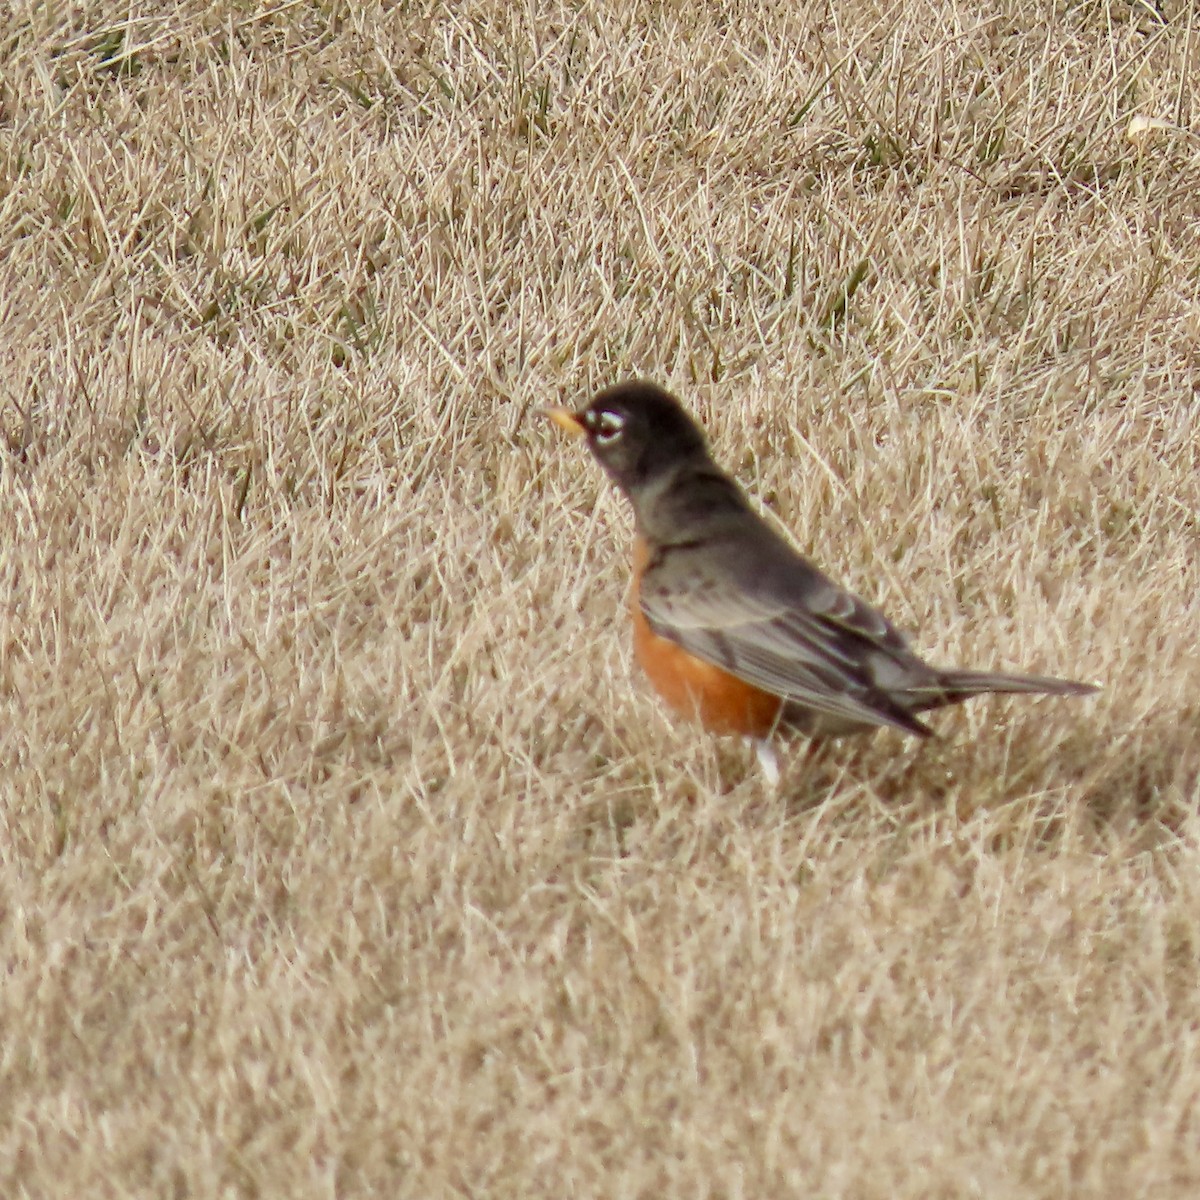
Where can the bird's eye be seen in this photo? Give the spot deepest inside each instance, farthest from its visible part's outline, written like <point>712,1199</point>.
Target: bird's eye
<point>607,426</point>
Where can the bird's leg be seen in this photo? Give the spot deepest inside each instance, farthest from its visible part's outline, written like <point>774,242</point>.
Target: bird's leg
<point>768,760</point>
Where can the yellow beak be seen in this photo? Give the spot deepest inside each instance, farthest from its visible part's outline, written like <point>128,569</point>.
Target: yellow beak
<point>564,418</point>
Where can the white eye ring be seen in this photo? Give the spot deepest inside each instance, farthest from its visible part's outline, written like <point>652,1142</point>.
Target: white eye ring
<point>608,426</point>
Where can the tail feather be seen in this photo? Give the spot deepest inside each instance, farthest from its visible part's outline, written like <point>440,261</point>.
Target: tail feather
<point>953,686</point>
<point>898,705</point>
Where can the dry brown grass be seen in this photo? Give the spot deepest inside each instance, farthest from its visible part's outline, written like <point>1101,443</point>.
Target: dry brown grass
<point>340,854</point>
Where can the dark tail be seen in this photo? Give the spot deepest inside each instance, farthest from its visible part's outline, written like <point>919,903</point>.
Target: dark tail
<point>953,686</point>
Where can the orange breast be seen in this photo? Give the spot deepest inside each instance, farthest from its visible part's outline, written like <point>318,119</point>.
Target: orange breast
<point>693,688</point>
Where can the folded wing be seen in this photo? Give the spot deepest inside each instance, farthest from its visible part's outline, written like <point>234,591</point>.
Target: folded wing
<point>767,615</point>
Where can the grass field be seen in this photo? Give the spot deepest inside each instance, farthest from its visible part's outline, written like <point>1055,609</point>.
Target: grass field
<point>343,852</point>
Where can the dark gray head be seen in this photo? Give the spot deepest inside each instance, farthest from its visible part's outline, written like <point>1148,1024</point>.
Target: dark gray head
<point>637,431</point>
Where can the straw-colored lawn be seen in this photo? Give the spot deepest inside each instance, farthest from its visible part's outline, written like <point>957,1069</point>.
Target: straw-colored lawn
<point>343,853</point>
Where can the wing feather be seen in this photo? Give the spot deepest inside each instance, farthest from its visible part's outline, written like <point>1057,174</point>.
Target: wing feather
<point>787,629</point>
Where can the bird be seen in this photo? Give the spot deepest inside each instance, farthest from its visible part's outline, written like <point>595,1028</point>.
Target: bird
<point>732,625</point>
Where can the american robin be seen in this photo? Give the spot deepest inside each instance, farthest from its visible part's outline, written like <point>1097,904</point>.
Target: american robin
<point>732,625</point>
